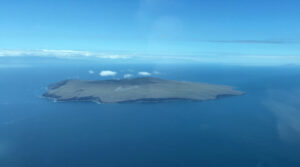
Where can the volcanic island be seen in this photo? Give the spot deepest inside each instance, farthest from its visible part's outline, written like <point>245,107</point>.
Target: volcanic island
<point>143,89</point>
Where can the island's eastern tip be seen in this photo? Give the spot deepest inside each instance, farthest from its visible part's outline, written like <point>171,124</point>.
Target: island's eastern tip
<point>137,89</point>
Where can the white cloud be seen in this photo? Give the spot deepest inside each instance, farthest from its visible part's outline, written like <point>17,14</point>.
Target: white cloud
<point>156,72</point>
<point>107,73</point>
<point>144,73</point>
<point>91,72</point>
<point>127,75</point>
<point>61,54</point>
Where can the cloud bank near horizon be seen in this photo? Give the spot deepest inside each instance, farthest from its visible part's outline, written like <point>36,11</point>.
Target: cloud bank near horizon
<point>61,54</point>
<point>224,58</point>
<point>251,41</point>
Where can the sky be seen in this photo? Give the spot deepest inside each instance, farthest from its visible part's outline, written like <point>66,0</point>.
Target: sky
<point>214,30</point>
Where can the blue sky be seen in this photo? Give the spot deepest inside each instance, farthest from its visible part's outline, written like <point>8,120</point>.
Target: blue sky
<point>199,28</point>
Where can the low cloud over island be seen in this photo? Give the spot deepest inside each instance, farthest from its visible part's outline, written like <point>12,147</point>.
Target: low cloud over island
<point>128,75</point>
<point>107,73</point>
<point>91,72</point>
<point>144,73</point>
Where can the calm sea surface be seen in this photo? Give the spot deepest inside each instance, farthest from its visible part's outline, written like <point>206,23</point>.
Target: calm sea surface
<point>259,129</point>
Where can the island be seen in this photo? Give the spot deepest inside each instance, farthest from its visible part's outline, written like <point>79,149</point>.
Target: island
<point>143,89</point>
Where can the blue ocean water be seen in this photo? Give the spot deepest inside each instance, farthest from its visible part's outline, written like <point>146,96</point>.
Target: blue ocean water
<point>258,129</point>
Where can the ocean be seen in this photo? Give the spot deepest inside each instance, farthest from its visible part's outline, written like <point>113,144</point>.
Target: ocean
<point>258,129</point>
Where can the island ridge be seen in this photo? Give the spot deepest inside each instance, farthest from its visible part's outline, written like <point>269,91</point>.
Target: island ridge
<point>136,89</point>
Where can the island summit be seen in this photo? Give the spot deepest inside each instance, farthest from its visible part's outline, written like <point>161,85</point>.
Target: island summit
<point>136,89</point>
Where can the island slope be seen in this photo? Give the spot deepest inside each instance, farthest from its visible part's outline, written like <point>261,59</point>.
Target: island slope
<point>136,89</point>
